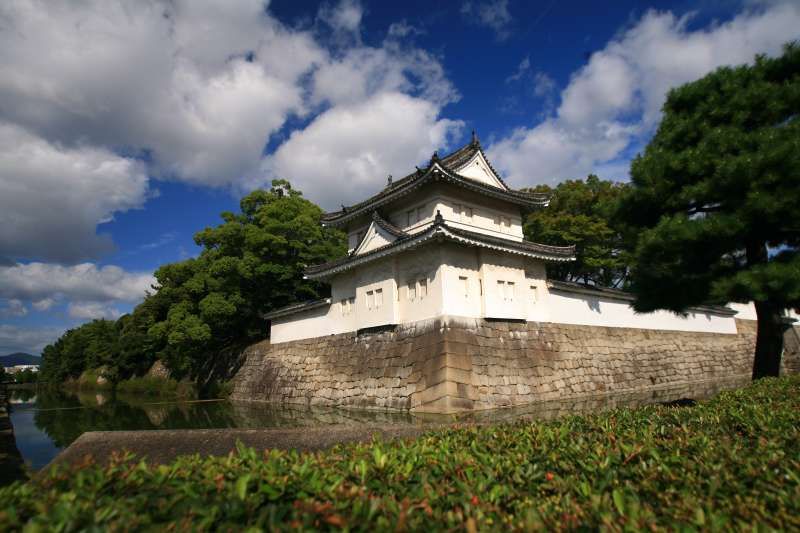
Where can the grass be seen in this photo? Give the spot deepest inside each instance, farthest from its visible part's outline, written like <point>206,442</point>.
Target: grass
<point>729,463</point>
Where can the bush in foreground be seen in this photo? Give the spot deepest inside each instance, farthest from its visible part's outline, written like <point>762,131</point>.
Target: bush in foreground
<point>729,463</point>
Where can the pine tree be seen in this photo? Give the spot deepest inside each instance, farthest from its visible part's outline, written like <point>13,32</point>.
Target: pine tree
<point>715,200</point>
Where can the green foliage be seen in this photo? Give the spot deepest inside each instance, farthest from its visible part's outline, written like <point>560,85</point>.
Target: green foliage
<point>26,376</point>
<point>251,263</point>
<point>580,213</point>
<point>716,198</point>
<point>727,464</point>
<point>89,346</point>
<point>203,308</point>
<point>717,185</point>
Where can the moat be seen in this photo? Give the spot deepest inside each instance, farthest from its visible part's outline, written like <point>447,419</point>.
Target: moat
<point>45,421</point>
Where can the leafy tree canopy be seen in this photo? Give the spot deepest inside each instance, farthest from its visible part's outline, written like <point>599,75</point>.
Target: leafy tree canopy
<point>249,264</point>
<point>716,198</point>
<point>580,213</point>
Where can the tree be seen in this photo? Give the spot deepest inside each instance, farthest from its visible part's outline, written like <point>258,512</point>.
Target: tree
<point>251,263</point>
<point>716,198</point>
<point>580,213</point>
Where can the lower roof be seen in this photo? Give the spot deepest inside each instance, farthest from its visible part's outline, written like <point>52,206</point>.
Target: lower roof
<point>441,231</point>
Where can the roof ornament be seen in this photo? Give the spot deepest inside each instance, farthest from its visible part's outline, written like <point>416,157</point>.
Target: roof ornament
<point>475,141</point>
<point>435,157</point>
<point>344,209</point>
<point>389,181</point>
<point>419,170</point>
<point>439,218</point>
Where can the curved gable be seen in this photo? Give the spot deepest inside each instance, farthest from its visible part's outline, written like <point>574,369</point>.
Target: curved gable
<point>478,169</point>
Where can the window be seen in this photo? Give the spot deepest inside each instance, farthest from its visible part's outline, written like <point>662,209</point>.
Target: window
<point>423,288</point>
<point>480,287</point>
<point>344,304</point>
<point>410,218</point>
<point>412,290</point>
<point>505,289</point>
<point>464,282</point>
<point>420,213</point>
<point>467,214</point>
<point>533,293</point>
<point>370,299</point>
<point>458,210</point>
<point>378,298</point>
<point>505,224</point>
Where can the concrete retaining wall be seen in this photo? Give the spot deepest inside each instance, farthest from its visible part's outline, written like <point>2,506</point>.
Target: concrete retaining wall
<point>453,364</point>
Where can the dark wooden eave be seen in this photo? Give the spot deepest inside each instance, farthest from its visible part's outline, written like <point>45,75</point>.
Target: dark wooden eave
<point>439,169</point>
<point>441,231</point>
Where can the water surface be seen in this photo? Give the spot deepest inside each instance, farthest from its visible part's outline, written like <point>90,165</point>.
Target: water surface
<point>47,421</point>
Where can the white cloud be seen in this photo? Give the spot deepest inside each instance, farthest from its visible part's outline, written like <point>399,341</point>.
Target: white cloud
<point>92,311</point>
<point>52,197</point>
<point>44,304</point>
<point>344,19</point>
<point>492,14</point>
<point>199,85</point>
<point>29,340</point>
<point>13,307</point>
<point>44,283</point>
<point>186,90</point>
<point>346,153</point>
<point>612,104</point>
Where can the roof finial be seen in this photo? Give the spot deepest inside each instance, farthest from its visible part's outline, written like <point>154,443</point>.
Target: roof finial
<point>389,181</point>
<point>439,218</point>
<point>475,140</point>
<point>344,209</point>
<point>435,157</point>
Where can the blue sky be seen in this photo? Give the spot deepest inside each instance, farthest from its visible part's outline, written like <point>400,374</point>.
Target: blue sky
<point>148,119</point>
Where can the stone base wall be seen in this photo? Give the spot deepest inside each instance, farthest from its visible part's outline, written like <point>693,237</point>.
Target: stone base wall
<point>454,364</point>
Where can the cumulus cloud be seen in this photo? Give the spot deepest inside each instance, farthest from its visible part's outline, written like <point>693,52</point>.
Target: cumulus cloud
<point>492,14</point>
<point>44,283</point>
<point>52,197</point>
<point>29,340</point>
<point>184,90</point>
<point>198,86</point>
<point>347,151</point>
<point>612,104</point>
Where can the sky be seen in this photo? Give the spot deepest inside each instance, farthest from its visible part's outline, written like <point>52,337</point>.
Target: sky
<point>126,127</point>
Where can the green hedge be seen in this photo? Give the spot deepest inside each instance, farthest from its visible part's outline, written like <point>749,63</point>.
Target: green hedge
<point>730,463</point>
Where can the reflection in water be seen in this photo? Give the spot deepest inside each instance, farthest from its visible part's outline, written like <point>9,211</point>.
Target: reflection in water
<point>47,421</point>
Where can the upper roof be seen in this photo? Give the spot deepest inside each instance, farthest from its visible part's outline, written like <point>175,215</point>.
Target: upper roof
<point>447,169</point>
<point>440,230</point>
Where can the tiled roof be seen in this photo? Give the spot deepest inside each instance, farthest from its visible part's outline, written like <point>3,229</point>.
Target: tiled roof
<point>439,230</point>
<point>439,169</point>
<point>388,226</point>
<point>296,308</point>
<point>617,294</point>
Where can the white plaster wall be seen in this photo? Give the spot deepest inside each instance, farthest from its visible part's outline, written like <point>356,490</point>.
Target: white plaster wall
<point>575,308</point>
<point>308,324</point>
<point>744,311</point>
<point>461,297</point>
<point>486,212</point>
<point>423,263</point>
<point>478,169</point>
<point>371,277</point>
<point>499,302</point>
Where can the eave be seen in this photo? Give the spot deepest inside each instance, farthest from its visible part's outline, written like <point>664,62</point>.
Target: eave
<point>440,231</point>
<point>438,170</point>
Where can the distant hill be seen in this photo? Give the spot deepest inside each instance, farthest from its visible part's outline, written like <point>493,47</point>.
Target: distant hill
<point>20,358</point>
